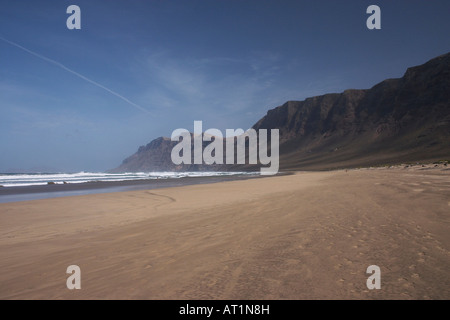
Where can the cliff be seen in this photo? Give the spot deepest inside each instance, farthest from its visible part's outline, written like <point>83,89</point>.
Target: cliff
<point>397,120</point>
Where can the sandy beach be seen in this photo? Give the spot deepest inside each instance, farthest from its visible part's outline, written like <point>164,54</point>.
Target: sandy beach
<point>310,235</point>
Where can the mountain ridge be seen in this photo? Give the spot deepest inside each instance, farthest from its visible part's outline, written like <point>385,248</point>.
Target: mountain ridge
<point>398,120</point>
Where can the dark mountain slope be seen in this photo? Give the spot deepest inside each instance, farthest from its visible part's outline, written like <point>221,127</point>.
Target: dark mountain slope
<point>406,119</point>
<point>397,120</point>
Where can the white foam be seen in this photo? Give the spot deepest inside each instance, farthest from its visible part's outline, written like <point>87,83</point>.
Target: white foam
<point>15,180</point>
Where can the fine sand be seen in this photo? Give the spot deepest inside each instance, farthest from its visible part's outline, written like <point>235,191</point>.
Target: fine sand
<point>301,236</point>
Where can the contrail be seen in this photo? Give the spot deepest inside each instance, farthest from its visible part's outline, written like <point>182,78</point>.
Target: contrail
<point>58,64</point>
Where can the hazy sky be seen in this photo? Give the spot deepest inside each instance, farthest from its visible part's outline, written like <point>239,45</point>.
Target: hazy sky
<point>85,99</point>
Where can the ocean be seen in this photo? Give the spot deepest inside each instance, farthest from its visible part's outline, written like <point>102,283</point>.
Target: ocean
<point>36,179</point>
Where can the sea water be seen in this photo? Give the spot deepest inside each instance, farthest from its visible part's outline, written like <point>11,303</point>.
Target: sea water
<point>35,179</point>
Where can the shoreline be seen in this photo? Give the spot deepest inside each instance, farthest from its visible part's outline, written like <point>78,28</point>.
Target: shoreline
<point>37,192</point>
<point>26,193</point>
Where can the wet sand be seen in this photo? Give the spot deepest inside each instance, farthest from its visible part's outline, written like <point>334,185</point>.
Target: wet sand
<point>303,236</point>
<point>23,193</point>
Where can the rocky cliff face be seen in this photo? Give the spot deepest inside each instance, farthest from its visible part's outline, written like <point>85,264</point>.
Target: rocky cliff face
<point>406,119</point>
<point>397,120</point>
<point>156,156</point>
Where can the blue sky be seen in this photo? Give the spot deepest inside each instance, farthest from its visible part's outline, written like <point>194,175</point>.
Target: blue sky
<point>225,62</point>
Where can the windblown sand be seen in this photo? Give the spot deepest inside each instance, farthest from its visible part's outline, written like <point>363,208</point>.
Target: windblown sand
<point>303,236</point>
